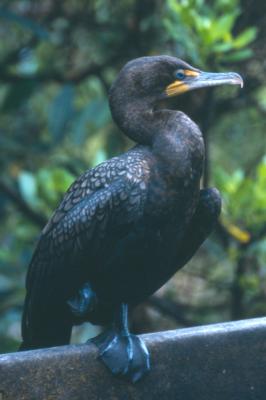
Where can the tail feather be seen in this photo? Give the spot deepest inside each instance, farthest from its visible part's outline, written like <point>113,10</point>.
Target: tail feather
<point>54,333</point>
<point>44,329</point>
<point>46,320</point>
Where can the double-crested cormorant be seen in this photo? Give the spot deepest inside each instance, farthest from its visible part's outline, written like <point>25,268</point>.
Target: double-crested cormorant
<point>127,225</point>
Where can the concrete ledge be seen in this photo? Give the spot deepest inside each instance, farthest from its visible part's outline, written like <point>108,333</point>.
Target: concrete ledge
<point>216,362</point>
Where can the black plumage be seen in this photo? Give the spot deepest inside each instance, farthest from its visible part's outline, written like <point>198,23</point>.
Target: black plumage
<point>127,225</point>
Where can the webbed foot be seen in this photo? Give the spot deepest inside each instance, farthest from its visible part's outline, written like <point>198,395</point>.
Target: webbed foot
<point>124,354</point>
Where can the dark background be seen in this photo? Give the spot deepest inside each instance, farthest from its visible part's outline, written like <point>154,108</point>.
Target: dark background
<point>57,61</point>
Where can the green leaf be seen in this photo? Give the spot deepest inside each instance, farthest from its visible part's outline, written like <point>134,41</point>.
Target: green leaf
<point>52,183</point>
<point>61,179</point>
<point>94,115</point>
<point>238,55</point>
<point>222,47</point>
<point>244,38</point>
<point>27,187</point>
<point>61,112</point>
<point>223,25</point>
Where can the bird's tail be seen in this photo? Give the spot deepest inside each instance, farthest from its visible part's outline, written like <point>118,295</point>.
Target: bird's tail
<point>44,329</point>
<point>26,346</point>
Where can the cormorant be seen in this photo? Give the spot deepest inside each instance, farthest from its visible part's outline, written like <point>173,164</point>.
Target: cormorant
<point>127,225</point>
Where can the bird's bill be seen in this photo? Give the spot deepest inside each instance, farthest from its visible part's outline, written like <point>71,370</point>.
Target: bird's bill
<point>201,79</point>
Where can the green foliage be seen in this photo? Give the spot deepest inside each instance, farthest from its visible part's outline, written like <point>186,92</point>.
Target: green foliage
<point>57,61</point>
<point>244,196</point>
<point>44,189</point>
<point>24,23</point>
<point>210,31</point>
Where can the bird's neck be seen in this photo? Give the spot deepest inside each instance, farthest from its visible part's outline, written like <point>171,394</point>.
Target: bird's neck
<point>135,119</point>
<point>178,143</point>
<point>166,131</point>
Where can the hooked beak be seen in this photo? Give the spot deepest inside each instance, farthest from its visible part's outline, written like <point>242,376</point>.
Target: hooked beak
<point>202,79</point>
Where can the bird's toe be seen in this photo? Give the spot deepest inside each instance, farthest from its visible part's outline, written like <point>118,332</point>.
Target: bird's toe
<point>124,355</point>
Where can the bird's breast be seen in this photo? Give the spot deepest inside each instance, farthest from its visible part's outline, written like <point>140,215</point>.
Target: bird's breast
<point>175,176</point>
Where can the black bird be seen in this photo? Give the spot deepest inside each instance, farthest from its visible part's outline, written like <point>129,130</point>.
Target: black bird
<point>127,225</point>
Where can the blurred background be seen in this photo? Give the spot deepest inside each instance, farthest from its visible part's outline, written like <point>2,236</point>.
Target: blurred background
<point>57,62</point>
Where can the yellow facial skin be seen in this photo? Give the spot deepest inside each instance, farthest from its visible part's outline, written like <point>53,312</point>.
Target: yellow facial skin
<point>178,86</point>
<point>195,79</point>
<point>188,72</point>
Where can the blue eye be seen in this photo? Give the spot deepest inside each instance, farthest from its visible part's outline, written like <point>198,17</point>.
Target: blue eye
<point>180,74</point>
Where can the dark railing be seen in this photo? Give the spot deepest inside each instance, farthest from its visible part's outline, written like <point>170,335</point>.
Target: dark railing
<point>216,362</point>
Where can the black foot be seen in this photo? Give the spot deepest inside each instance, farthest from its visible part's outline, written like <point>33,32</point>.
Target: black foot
<point>125,355</point>
<point>83,302</point>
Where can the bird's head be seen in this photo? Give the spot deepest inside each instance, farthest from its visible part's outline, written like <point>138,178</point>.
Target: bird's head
<point>143,82</point>
<point>159,77</point>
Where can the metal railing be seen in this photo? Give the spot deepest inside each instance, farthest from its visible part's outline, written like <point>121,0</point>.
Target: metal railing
<point>215,362</point>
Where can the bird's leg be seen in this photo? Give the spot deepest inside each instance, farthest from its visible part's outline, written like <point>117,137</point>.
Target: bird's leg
<point>123,353</point>
<point>83,302</point>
